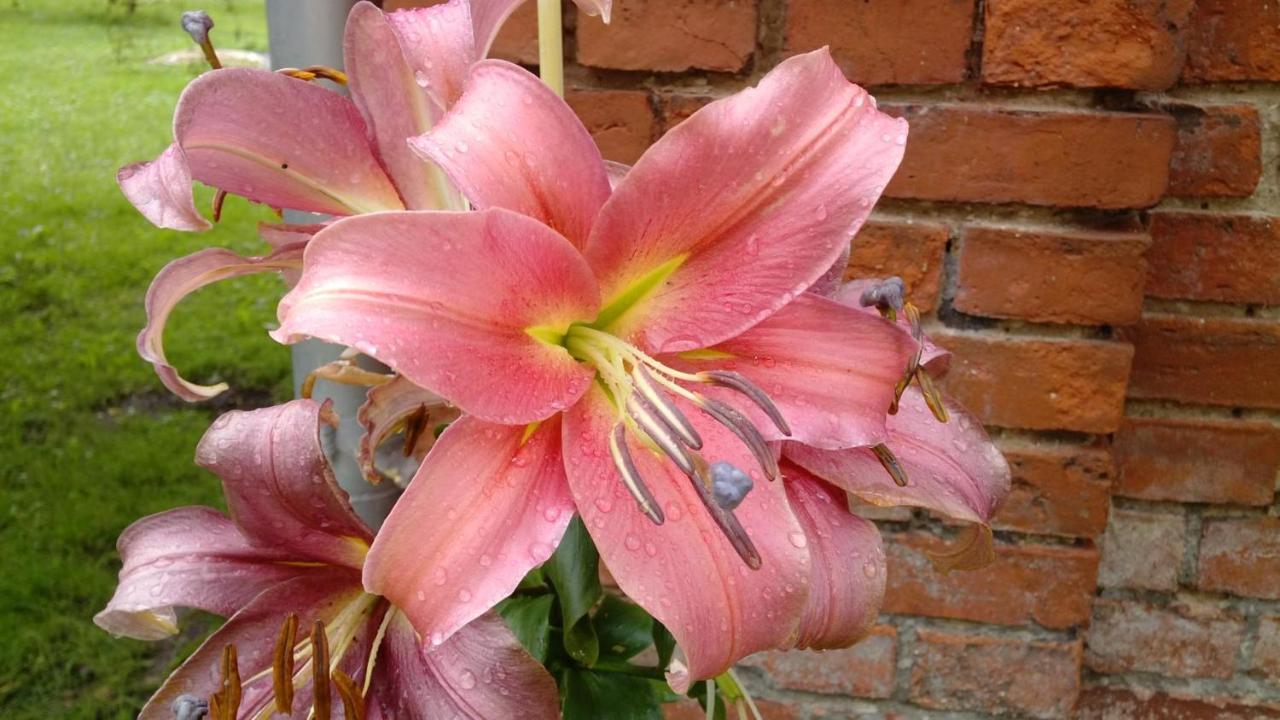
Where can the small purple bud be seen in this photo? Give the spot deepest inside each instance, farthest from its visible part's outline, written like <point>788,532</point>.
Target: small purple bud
<point>888,293</point>
<point>729,485</point>
<point>189,707</point>
<point>197,23</point>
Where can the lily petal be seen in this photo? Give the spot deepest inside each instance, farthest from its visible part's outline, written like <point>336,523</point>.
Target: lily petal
<point>386,409</point>
<point>752,199</point>
<point>161,191</point>
<point>439,43</point>
<point>480,673</point>
<point>280,141</point>
<point>684,572</point>
<point>934,358</point>
<point>279,235</point>
<point>486,507</point>
<point>446,299</point>
<point>545,165</point>
<point>846,585</point>
<point>183,277</point>
<point>829,369</point>
<point>278,484</point>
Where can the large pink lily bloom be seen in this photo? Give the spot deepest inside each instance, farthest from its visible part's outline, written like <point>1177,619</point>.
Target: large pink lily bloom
<point>628,354</point>
<point>292,545</point>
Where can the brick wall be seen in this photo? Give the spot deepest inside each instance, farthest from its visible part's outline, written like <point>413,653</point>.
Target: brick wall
<point>1087,209</point>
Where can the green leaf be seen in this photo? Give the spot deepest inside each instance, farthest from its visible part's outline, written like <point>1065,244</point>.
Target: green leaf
<point>624,628</point>
<point>574,571</point>
<point>664,642</point>
<point>591,695</point>
<point>530,620</point>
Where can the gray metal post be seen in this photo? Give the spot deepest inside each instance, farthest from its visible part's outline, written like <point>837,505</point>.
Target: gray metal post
<point>302,33</point>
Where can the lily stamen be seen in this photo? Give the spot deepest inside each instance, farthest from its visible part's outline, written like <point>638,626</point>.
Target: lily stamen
<point>659,432</point>
<point>630,474</point>
<point>736,422</point>
<point>739,382</point>
<point>321,703</point>
<point>669,412</point>
<point>197,23</point>
<point>282,665</point>
<point>890,463</point>
<point>311,72</point>
<point>352,699</point>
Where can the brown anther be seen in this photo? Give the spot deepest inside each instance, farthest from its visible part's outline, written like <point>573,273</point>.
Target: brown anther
<point>659,432</point>
<point>728,416</point>
<point>218,198</point>
<point>352,700</point>
<point>739,382</point>
<point>891,464</point>
<point>414,424</point>
<point>932,397</point>
<point>898,390</point>
<point>666,409</point>
<point>630,474</point>
<point>321,703</point>
<point>282,665</point>
<point>312,72</point>
<point>215,707</point>
<point>229,704</point>
<point>725,519</point>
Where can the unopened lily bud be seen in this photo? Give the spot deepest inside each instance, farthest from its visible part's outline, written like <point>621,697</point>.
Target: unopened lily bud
<point>888,293</point>
<point>189,707</point>
<point>197,23</point>
<point>729,484</point>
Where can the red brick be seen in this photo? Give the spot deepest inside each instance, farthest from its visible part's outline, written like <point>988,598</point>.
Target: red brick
<point>1115,703</point>
<point>1212,360</point>
<point>670,35</point>
<point>1218,152</point>
<point>910,250</point>
<point>1086,277</point>
<point>1039,384</point>
<point>620,121</point>
<point>1266,651</point>
<point>1116,43</point>
<point>1142,550</point>
<point>1233,40</point>
<point>675,108</point>
<point>1056,490</point>
<point>886,42</point>
<point>865,670</point>
<point>995,675</point>
<point>1179,641</point>
<point>1200,461</point>
<point>517,41</point>
<point>1069,158</point>
<point>1048,585</point>
<point>1224,258</point>
<point>1241,556</point>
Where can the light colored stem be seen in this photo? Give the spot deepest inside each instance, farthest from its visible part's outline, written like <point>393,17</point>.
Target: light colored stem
<point>551,45</point>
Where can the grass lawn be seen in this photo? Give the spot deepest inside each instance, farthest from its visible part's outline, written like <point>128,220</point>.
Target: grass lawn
<point>89,440</point>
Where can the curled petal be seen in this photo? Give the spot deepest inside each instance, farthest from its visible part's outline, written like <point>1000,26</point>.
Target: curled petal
<point>487,506</point>
<point>387,409</point>
<point>448,299</point>
<point>280,235</point>
<point>745,205</point>
<point>161,191</point>
<point>934,358</point>
<point>183,277</point>
<point>439,43</point>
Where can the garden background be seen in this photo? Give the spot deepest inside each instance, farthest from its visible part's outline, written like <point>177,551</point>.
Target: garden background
<point>1089,209</point>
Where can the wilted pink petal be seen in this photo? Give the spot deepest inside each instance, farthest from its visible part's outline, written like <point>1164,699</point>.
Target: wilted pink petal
<point>829,369</point>
<point>279,235</point>
<point>543,163</point>
<point>446,299</point>
<point>847,580</point>
<point>161,191</point>
<point>486,507</point>
<point>759,193</point>
<point>684,572</point>
<point>440,45</point>
<point>280,141</point>
<point>183,277</point>
<point>480,673</point>
<point>385,410</point>
<point>278,484</point>
<point>935,358</point>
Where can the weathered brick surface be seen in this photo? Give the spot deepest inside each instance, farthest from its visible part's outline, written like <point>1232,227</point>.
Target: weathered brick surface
<point>1199,461</point>
<point>621,121</point>
<point>1083,277</point>
<point>1208,256</point>
<point>517,41</point>
<point>1056,490</point>
<point>865,670</point>
<point>1142,550</point>
<point>1038,384</point>
<point>1233,40</point>
<point>995,675</point>
<point>670,35</point>
<point>1266,651</point>
<point>912,251</point>
<point>1211,360</point>
<point>1117,43</point>
<point>1218,152</point>
<point>1178,641</point>
<point>1241,556</point>
<point>885,42</point>
<point>1071,158</point>
<point>1113,703</point>
<point>1042,584</point>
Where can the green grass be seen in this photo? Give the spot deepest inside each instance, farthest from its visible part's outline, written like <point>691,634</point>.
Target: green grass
<point>89,440</point>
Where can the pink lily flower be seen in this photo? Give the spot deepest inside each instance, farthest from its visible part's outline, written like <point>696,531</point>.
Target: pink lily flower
<point>629,354</point>
<point>291,552</point>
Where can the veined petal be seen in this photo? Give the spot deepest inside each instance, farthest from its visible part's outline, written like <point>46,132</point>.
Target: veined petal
<point>846,584</point>
<point>394,106</point>
<point>684,572</point>
<point>184,276</point>
<point>830,370</point>
<point>161,191</point>
<point>388,408</point>
<point>754,195</point>
<point>934,357</point>
<point>279,487</point>
<point>446,299</point>
<point>545,165</point>
<point>440,44</point>
<point>486,507</point>
<point>480,673</point>
<point>952,468</point>
<point>280,141</point>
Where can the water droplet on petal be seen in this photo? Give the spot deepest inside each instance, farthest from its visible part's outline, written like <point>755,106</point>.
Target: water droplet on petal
<point>467,680</point>
<point>798,539</point>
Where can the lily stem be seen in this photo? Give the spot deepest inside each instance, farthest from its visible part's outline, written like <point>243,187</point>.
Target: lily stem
<point>551,45</point>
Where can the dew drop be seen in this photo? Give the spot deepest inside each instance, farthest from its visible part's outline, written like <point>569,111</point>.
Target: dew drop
<point>604,504</point>
<point>632,542</point>
<point>464,595</point>
<point>467,679</point>
<point>869,569</point>
<point>421,595</point>
<point>485,560</point>
<point>798,539</point>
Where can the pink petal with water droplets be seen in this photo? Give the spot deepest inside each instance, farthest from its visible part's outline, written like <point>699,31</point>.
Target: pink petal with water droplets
<point>684,572</point>
<point>482,511</point>
<point>545,165</point>
<point>761,192</point>
<point>445,299</point>
<point>846,585</point>
<point>440,46</point>
<point>184,276</point>
<point>161,191</point>
<point>278,484</point>
<point>280,141</point>
<point>935,358</point>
